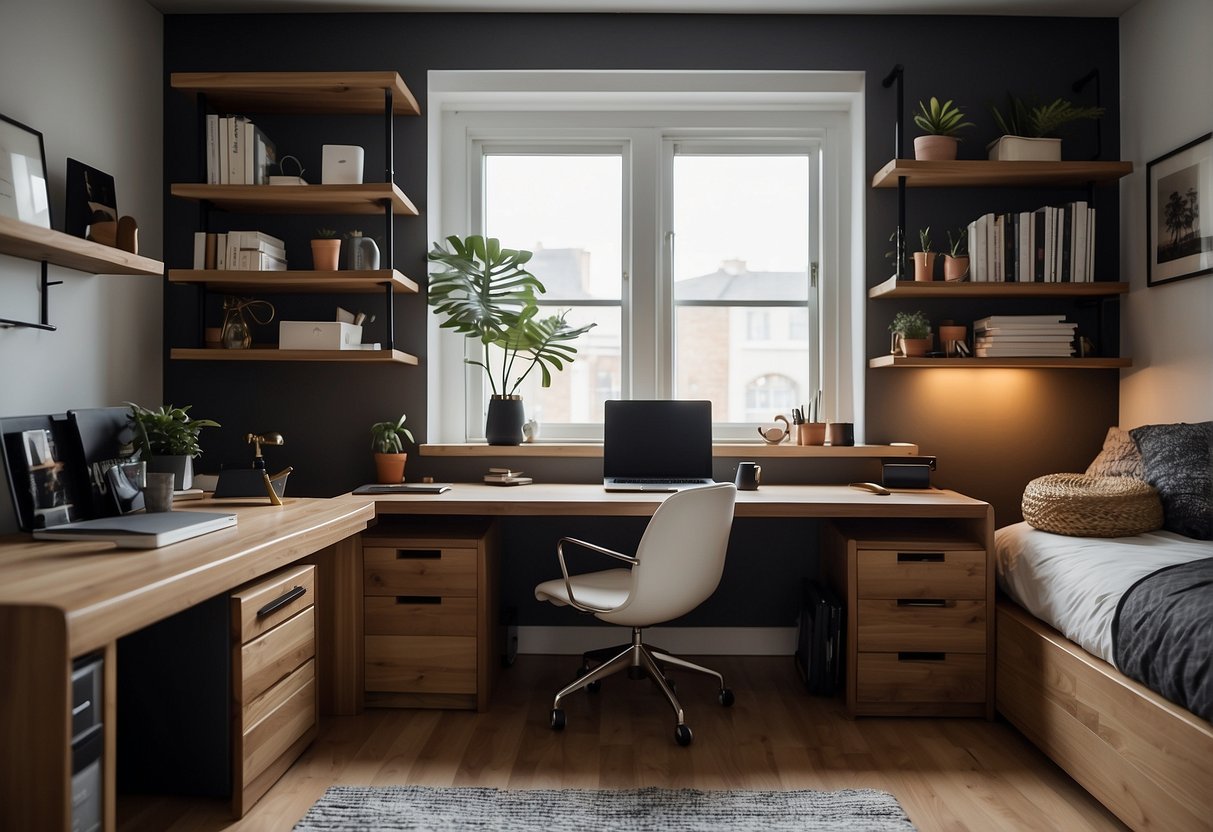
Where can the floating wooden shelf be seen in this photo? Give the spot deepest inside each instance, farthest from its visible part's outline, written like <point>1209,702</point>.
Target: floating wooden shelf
<point>294,281</point>
<point>300,92</point>
<point>977,172</point>
<point>269,354</point>
<point>989,363</point>
<point>719,449</point>
<point>32,242</point>
<point>368,198</point>
<point>894,288</point>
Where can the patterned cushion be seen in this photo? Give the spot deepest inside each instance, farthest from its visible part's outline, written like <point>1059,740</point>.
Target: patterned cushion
<point>1119,457</point>
<point>1178,461</point>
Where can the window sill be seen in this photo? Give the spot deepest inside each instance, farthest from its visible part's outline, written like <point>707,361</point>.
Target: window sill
<point>594,449</point>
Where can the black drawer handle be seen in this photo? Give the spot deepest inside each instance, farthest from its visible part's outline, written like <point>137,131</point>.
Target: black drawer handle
<point>418,599</point>
<point>921,657</point>
<point>418,554</point>
<point>921,602</point>
<point>920,557</point>
<point>281,601</point>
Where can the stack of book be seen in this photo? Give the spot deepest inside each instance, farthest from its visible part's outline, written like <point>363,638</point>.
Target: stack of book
<point>244,250</point>
<point>237,152</point>
<point>1006,336</point>
<point>506,476</point>
<point>1053,244</point>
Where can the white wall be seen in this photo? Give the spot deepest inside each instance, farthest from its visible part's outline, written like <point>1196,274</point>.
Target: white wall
<point>1166,68</point>
<point>87,74</point>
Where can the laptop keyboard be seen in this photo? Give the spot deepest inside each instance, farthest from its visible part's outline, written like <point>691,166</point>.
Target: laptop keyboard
<point>647,480</point>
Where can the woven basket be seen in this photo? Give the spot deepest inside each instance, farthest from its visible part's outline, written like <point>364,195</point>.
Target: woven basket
<point>1080,505</point>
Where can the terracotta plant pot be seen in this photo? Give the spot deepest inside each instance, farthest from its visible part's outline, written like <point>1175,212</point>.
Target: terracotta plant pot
<point>949,334</point>
<point>935,148</point>
<point>924,265</point>
<point>915,347</point>
<point>389,468</point>
<point>326,254</point>
<point>955,268</point>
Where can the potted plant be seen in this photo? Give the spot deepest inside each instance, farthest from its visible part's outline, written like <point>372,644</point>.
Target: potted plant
<point>924,258</point>
<point>167,439</point>
<point>387,443</point>
<point>485,293</point>
<point>326,249</point>
<point>1029,132</point>
<point>956,261</point>
<point>940,123</point>
<point>911,334</point>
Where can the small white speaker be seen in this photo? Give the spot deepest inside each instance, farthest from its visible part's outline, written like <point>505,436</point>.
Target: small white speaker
<point>341,164</point>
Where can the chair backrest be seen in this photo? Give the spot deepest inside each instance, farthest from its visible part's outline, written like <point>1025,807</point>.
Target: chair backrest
<point>681,556</point>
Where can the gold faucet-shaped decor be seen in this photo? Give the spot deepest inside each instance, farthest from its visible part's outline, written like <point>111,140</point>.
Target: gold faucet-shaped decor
<point>257,440</point>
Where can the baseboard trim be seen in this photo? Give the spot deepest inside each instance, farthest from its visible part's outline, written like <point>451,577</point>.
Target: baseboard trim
<point>687,641</point>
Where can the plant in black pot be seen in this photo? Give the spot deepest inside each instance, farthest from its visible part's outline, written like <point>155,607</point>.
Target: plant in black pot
<point>485,293</point>
<point>167,439</point>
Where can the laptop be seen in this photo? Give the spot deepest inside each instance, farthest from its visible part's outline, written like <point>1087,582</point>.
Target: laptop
<point>656,445</point>
<point>141,531</point>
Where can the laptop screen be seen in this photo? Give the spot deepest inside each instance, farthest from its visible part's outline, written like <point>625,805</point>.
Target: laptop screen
<point>657,439</point>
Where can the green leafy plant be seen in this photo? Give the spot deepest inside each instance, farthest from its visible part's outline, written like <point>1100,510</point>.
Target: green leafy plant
<point>386,436</point>
<point>167,431</point>
<point>484,292</point>
<point>1039,120</point>
<point>958,245</point>
<point>924,239</point>
<point>325,234</point>
<point>911,325</point>
<point>940,119</point>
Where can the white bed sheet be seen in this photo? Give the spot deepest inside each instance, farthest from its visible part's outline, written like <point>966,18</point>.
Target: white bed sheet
<point>1075,583</point>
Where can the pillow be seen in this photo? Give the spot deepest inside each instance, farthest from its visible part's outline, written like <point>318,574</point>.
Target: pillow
<point>1177,460</point>
<point>1119,457</point>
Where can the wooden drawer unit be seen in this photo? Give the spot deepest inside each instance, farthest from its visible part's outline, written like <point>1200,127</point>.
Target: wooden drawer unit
<point>430,619</point>
<point>274,693</point>
<point>919,630</point>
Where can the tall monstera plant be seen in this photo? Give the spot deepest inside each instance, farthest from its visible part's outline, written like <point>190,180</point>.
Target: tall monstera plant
<point>484,292</point>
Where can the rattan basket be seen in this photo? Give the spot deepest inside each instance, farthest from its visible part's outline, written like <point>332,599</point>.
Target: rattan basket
<point>1080,505</point>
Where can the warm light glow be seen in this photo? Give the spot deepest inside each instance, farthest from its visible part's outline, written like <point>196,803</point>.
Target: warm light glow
<point>994,398</point>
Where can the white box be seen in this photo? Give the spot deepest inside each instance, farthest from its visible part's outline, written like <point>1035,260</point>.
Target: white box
<point>341,164</point>
<point>1024,149</point>
<point>318,335</point>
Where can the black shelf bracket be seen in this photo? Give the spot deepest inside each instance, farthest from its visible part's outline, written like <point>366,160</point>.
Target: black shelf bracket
<point>1078,86</point>
<point>897,74</point>
<point>389,154</point>
<point>44,307</point>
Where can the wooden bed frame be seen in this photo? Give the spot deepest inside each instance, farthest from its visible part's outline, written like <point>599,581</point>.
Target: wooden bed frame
<point>1146,759</point>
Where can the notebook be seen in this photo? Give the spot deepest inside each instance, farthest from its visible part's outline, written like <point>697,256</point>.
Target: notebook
<point>656,445</point>
<point>141,531</point>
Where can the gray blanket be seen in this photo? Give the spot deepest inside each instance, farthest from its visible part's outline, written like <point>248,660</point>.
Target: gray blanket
<point>1162,635</point>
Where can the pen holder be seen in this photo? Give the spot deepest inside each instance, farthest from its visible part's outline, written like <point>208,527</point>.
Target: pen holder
<point>811,433</point>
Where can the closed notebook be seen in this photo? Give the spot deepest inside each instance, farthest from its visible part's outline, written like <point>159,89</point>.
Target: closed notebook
<point>141,531</point>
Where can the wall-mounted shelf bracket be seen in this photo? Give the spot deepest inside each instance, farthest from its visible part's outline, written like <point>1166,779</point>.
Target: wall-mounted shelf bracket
<point>897,74</point>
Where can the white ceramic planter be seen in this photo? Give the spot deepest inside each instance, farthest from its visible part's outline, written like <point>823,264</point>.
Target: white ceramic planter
<point>1023,149</point>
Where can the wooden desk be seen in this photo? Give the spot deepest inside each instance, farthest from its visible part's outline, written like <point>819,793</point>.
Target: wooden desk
<point>62,600</point>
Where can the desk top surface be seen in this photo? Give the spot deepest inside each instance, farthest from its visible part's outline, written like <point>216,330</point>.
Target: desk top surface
<point>106,592</point>
<point>541,499</point>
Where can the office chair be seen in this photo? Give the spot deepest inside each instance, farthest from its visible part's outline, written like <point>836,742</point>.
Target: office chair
<point>676,567</point>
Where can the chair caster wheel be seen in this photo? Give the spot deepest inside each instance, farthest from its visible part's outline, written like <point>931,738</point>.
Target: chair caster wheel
<point>682,735</point>
<point>726,697</point>
<point>557,719</point>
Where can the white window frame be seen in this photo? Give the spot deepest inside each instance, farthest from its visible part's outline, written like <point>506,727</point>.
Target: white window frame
<point>641,112</point>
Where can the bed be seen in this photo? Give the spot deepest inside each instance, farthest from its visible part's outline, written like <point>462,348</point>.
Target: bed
<point>1146,758</point>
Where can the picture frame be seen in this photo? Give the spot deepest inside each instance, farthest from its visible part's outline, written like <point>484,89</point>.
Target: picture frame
<point>23,186</point>
<point>1179,241</point>
<point>91,198</point>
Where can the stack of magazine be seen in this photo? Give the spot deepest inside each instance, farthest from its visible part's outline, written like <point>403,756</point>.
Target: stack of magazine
<point>1005,336</point>
<point>506,476</point>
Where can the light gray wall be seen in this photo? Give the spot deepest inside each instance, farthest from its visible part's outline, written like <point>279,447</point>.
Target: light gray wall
<point>87,74</point>
<point>1166,68</point>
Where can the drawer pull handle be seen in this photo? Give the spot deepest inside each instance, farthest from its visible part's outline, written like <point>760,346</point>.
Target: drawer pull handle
<point>418,599</point>
<point>82,707</point>
<point>920,557</point>
<point>418,554</point>
<point>921,602</point>
<point>921,657</point>
<point>281,601</point>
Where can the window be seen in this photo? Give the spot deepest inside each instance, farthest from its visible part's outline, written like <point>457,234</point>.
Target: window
<point>686,224</point>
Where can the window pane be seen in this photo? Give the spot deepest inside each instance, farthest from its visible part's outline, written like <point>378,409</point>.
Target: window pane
<point>747,380</point>
<point>568,210</point>
<point>577,391</point>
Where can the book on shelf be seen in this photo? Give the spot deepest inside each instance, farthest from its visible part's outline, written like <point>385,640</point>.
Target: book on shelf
<point>1050,244</point>
<point>1023,352</point>
<point>237,151</point>
<point>985,337</point>
<point>991,320</point>
<point>493,480</point>
<point>213,145</point>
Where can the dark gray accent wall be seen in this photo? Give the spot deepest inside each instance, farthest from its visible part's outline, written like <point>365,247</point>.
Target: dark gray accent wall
<point>992,430</point>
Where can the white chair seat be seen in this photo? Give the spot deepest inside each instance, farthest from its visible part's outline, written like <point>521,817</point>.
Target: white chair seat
<point>607,589</point>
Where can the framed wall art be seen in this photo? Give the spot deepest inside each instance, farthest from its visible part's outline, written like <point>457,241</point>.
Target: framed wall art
<point>1179,240</point>
<point>23,192</point>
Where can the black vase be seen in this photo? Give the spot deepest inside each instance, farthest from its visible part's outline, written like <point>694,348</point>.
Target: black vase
<point>504,423</point>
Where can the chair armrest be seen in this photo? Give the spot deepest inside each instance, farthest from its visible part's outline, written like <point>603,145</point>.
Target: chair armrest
<point>564,569</point>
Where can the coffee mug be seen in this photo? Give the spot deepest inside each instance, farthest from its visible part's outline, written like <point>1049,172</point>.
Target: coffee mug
<point>842,433</point>
<point>748,476</point>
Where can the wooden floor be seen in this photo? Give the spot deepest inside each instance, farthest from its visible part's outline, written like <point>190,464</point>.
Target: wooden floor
<point>955,774</point>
